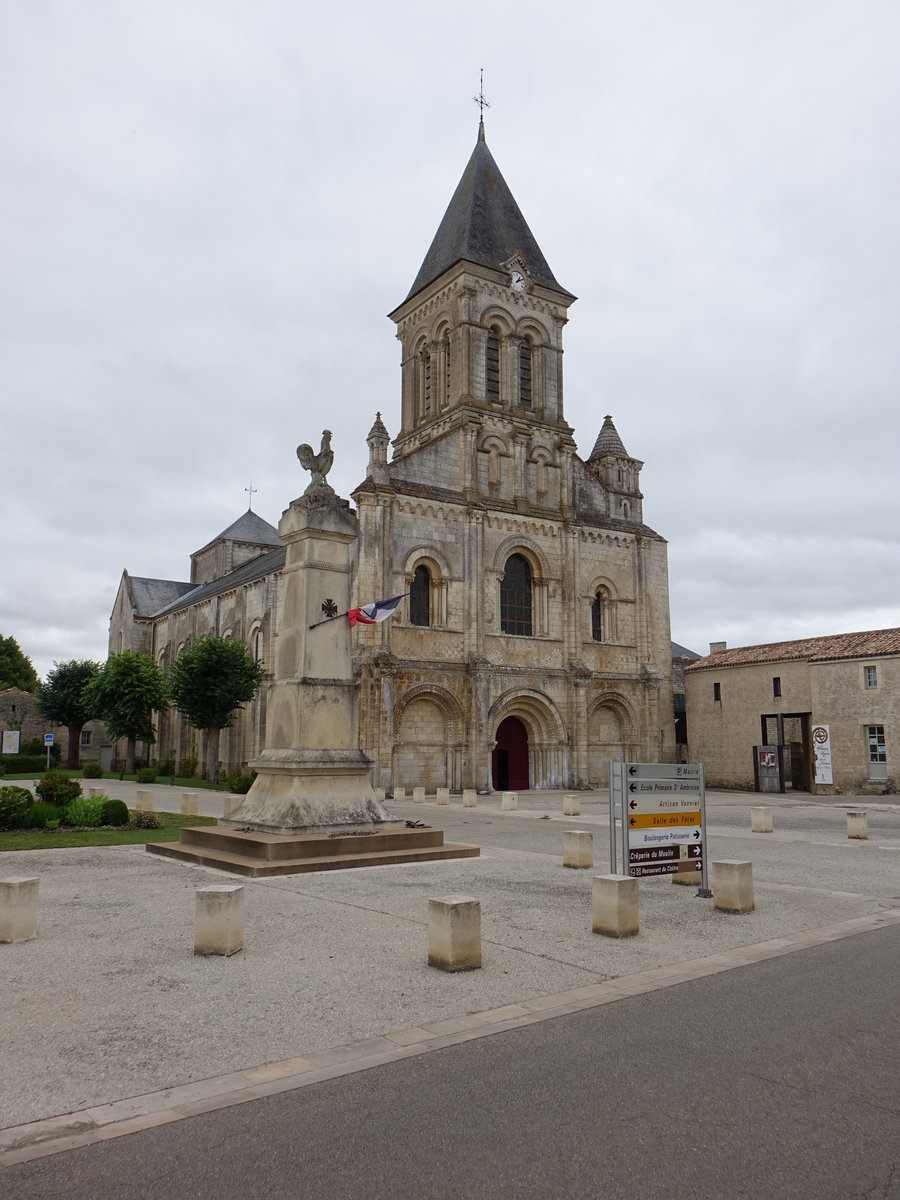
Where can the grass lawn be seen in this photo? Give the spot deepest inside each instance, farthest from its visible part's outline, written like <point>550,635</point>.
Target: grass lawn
<point>43,839</point>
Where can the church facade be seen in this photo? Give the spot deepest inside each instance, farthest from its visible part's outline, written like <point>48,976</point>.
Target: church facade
<point>533,645</point>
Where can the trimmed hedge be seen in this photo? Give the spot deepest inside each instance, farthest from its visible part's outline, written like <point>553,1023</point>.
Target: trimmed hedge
<point>19,764</point>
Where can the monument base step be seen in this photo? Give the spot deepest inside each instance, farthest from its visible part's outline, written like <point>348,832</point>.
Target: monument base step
<point>259,855</point>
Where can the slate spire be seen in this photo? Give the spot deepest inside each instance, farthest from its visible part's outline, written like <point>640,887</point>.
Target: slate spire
<point>608,442</point>
<point>483,224</point>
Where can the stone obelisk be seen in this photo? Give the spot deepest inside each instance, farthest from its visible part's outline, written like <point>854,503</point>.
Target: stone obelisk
<point>312,774</point>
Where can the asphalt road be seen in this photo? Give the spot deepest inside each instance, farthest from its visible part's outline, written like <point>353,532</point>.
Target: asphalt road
<point>778,1080</point>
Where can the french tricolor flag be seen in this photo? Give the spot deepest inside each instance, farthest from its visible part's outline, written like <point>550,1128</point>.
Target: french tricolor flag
<point>372,614</point>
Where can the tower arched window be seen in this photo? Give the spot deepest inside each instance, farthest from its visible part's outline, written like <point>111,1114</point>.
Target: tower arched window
<point>515,597</point>
<point>525,358</point>
<point>427,381</point>
<point>492,365</point>
<point>597,618</point>
<point>420,597</point>
<point>446,368</point>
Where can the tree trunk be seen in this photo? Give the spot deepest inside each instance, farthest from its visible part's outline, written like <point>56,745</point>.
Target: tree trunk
<point>129,756</point>
<point>212,754</point>
<point>74,743</point>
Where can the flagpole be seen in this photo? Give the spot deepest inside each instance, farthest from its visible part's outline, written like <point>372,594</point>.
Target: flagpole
<point>337,616</point>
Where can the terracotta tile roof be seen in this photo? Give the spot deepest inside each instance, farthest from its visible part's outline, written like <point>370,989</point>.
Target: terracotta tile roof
<point>820,649</point>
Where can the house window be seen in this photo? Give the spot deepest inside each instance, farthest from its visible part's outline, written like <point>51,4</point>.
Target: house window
<point>717,691</point>
<point>525,373</point>
<point>420,597</point>
<point>492,365</point>
<point>515,597</point>
<point>877,752</point>
<point>85,737</point>
<point>776,685</point>
<point>871,677</point>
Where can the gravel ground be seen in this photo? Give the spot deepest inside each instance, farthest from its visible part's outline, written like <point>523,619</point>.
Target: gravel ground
<point>109,1000</point>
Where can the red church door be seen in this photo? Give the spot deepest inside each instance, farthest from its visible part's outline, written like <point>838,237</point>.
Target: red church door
<point>510,757</point>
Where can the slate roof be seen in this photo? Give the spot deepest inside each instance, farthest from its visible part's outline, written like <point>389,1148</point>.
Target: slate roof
<point>152,594</point>
<point>683,652</point>
<point>263,564</point>
<point>249,527</point>
<point>483,225</point>
<point>608,442</point>
<point>820,649</point>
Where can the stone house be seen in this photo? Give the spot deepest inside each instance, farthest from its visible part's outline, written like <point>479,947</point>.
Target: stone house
<point>825,711</point>
<point>18,710</point>
<point>533,642</point>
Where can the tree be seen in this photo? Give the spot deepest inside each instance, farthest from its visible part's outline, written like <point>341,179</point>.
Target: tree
<point>61,698</point>
<point>16,669</point>
<point>124,695</point>
<point>209,680</point>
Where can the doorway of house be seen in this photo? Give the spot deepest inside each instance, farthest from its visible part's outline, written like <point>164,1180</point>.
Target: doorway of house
<point>791,731</point>
<point>509,765</point>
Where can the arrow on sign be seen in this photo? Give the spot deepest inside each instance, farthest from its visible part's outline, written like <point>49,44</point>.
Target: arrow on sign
<point>696,833</point>
<point>695,850</point>
<point>632,821</point>
<point>632,803</point>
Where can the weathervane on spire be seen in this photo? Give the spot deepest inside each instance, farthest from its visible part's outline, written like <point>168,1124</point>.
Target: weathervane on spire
<point>481,102</point>
<point>251,489</point>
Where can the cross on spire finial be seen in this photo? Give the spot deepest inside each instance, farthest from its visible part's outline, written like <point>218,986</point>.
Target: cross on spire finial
<point>482,104</point>
<point>251,489</point>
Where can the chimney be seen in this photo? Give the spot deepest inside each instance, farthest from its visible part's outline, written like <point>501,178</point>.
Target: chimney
<point>715,647</point>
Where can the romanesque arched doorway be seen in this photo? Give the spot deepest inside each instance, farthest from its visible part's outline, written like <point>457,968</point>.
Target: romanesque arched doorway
<point>509,761</point>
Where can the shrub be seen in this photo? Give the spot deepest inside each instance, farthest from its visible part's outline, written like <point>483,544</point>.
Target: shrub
<point>146,775</point>
<point>86,812</point>
<point>145,819</point>
<point>240,784</point>
<point>114,812</point>
<point>92,770</point>
<point>40,815</point>
<point>21,764</point>
<point>35,748</point>
<point>58,789</point>
<point>14,805</point>
<point>166,766</point>
<point>187,768</point>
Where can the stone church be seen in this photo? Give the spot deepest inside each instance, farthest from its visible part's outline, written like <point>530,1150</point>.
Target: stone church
<point>533,645</point>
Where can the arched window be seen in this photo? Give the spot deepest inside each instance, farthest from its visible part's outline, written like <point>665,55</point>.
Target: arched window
<point>420,597</point>
<point>446,368</point>
<point>525,373</point>
<point>597,615</point>
<point>427,385</point>
<point>258,645</point>
<point>515,597</point>
<point>492,365</point>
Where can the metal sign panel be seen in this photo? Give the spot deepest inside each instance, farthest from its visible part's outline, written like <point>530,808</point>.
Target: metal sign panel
<point>662,771</point>
<point>665,814</point>
<point>664,787</point>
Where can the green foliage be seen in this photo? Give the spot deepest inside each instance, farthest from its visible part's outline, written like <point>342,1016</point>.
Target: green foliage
<point>85,813</point>
<point>240,784</point>
<point>211,678</point>
<point>63,699</point>
<point>115,812</point>
<point>40,814</point>
<point>124,694</point>
<point>16,668</point>
<point>14,805</point>
<point>188,767</point>
<point>144,819</point>
<point>166,766</point>
<point>92,770</point>
<point>35,748</point>
<point>146,775</point>
<point>20,764</point>
<point>58,789</point>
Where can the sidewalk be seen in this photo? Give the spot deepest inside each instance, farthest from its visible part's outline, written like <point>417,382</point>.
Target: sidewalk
<point>110,1002</point>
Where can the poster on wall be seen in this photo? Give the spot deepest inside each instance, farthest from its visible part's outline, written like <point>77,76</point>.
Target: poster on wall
<point>11,741</point>
<point>821,737</point>
<point>767,758</point>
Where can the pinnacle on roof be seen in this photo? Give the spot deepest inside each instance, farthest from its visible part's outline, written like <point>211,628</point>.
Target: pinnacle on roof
<point>483,225</point>
<point>608,442</point>
<point>378,432</point>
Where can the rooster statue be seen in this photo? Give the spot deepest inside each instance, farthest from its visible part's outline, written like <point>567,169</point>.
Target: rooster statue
<point>319,464</point>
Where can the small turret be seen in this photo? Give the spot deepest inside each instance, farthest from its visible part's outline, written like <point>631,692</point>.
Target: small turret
<point>619,473</point>
<point>378,440</point>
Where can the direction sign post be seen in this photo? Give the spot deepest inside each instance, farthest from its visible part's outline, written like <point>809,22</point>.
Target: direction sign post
<point>663,812</point>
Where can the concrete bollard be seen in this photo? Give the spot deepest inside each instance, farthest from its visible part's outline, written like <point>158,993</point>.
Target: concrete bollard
<point>144,802</point>
<point>469,800</point>
<point>399,795</point>
<point>229,804</point>
<point>380,795</point>
<point>571,806</point>
<point>510,801</point>
<point>190,803</point>
<point>96,791</point>
<point>614,900</point>
<point>219,919</point>
<point>18,908</point>
<point>418,795</point>
<point>858,824</point>
<point>443,795</point>
<point>732,885</point>
<point>578,848</point>
<point>760,820</point>
<point>454,933</point>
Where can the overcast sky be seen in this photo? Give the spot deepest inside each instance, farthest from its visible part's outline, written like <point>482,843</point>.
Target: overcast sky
<point>207,209</point>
